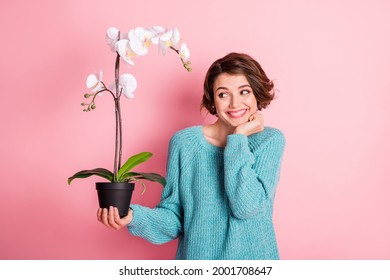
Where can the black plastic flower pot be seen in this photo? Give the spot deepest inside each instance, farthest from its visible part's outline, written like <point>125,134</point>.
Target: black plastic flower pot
<point>115,194</point>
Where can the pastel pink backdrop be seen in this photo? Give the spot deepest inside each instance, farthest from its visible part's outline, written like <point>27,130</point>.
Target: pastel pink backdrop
<point>330,61</point>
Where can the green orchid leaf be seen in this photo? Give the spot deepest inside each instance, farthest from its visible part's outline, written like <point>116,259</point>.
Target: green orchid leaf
<point>87,173</point>
<point>154,177</point>
<point>132,162</point>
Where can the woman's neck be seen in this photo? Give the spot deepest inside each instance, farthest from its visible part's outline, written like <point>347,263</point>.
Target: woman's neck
<point>217,133</point>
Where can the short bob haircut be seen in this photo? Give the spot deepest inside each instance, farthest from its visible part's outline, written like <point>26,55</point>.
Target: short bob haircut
<point>238,64</point>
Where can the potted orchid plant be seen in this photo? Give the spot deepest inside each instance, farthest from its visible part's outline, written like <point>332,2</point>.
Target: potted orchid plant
<point>136,43</point>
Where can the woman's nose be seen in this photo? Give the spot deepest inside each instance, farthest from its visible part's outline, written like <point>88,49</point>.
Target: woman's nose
<point>234,101</point>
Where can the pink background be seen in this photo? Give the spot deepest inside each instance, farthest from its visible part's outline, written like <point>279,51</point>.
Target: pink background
<point>330,61</point>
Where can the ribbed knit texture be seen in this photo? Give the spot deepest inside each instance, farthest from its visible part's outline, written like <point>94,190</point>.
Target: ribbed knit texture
<point>217,201</point>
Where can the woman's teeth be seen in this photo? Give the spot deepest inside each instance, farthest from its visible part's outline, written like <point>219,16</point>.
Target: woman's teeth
<point>237,114</point>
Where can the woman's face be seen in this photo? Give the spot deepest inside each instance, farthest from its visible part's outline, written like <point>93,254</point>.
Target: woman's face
<point>234,99</point>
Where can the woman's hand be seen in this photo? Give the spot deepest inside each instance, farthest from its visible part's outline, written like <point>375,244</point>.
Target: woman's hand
<point>255,124</point>
<point>110,218</point>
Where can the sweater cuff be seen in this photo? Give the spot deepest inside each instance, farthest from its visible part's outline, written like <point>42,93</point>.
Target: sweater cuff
<point>137,217</point>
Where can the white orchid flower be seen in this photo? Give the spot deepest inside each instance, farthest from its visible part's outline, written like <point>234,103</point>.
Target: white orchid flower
<point>127,84</point>
<point>184,52</point>
<point>175,37</point>
<point>140,40</point>
<point>165,41</point>
<point>169,39</point>
<point>94,82</point>
<point>112,37</point>
<point>124,50</point>
<point>157,31</point>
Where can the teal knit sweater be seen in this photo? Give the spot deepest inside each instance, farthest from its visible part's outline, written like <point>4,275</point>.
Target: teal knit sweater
<point>217,201</point>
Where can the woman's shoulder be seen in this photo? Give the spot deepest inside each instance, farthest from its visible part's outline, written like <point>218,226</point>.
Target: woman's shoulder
<point>187,136</point>
<point>184,144</point>
<point>269,134</point>
<point>272,132</point>
<point>187,133</point>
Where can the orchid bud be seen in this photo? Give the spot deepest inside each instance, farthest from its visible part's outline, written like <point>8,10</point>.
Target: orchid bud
<point>87,95</point>
<point>93,106</point>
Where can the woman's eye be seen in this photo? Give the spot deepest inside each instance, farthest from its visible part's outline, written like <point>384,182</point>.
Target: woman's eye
<point>222,94</point>
<point>245,92</point>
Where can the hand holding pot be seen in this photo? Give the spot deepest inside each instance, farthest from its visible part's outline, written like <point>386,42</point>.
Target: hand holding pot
<point>110,218</point>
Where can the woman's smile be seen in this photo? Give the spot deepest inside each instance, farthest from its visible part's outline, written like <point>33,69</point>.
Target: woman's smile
<point>237,113</point>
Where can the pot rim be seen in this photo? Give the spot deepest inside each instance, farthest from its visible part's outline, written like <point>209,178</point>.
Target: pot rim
<point>125,186</point>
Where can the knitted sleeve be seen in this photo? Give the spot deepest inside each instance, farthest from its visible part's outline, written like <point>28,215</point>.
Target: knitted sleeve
<point>251,171</point>
<point>163,223</point>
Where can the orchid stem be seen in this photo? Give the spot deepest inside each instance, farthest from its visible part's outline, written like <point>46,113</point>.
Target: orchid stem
<point>106,89</point>
<point>118,120</point>
<point>120,131</point>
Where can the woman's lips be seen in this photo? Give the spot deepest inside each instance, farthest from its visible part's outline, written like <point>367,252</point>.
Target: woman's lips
<point>237,114</point>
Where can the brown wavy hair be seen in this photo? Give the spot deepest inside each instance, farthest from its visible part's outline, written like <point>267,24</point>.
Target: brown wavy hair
<point>238,64</point>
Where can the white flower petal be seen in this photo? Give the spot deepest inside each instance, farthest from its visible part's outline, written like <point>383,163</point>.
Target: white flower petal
<point>112,37</point>
<point>131,35</point>
<point>92,81</point>
<point>184,52</point>
<point>163,47</point>
<point>157,29</point>
<point>136,44</point>
<point>98,87</point>
<point>112,33</point>
<point>129,94</point>
<point>175,36</point>
<point>127,82</point>
<point>121,46</point>
<point>166,36</point>
<point>143,33</point>
<point>124,50</point>
<point>155,40</point>
<point>138,47</point>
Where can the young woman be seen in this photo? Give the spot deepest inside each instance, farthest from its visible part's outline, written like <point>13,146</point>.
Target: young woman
<point>221,178</point>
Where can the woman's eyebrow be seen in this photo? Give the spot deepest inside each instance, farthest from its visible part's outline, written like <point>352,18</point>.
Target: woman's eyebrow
<point>225,88</point>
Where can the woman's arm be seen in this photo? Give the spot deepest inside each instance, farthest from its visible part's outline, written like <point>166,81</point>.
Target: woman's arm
<point>163,223</point>
<point>251,177</point>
